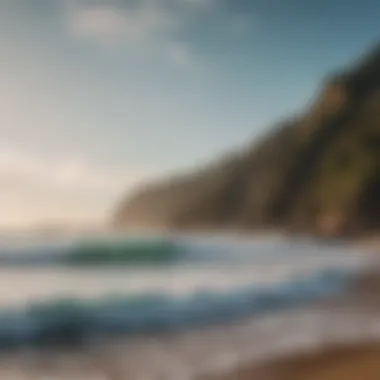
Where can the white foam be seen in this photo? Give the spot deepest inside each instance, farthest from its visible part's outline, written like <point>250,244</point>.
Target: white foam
<point>225,264</point>
<point>220,349</point>
<point>213,350</point>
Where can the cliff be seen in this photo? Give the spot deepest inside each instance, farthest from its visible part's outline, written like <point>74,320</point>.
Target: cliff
<point>318,172</point>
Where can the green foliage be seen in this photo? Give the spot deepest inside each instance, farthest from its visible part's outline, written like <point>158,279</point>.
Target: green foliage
<point>316,165</point>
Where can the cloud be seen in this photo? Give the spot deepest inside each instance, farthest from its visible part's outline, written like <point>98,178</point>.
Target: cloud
<point>35,187</point>
<point>199,4</point>
<point>154,28</point>
<point>150,26</point>
<point>181,56</point>
<point>107,24</point>
<point>70,173</point>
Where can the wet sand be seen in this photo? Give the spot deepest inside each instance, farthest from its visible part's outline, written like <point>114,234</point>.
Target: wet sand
<point>337,361</point>
<point>356,362</point>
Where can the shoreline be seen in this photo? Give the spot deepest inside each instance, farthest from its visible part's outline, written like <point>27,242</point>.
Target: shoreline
<point>337,327</point>
<point>349,359</point>
<point>225,352</point>
<point>338,362</point>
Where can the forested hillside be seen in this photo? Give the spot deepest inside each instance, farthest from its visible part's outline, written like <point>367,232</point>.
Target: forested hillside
<point>318,172</point>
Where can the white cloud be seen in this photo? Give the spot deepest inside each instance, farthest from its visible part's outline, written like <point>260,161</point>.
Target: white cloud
<point>34,188</point>
<point>180,55</point>
<point>19,209</point>
<point>71,173</point>
<point>200,4</point>
<point>109,24</point>
<point>151,26</point>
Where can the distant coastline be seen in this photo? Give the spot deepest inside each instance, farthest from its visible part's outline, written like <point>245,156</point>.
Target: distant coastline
<point>316,173</point>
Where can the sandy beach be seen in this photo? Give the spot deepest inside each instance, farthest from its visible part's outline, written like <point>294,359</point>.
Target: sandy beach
<point>347,362</point>
<point>335,360</point>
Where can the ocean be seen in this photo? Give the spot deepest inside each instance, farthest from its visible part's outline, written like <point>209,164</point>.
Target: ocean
<point>83,289</point>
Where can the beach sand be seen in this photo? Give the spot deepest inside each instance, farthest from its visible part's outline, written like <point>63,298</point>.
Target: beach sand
<point>353,362</point>
<point>337,361</point>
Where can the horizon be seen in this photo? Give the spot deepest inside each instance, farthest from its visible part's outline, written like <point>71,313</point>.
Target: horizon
<point>98,96</point>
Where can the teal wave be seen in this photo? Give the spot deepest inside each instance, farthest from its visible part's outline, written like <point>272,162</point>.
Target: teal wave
<point>73,322</point>
<point>99,252</point>
<point>122,252</point>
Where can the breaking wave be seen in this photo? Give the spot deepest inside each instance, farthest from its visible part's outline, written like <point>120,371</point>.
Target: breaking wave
<point>163,251</point>
<point>95,252</point>
<point>281,275</point>
<point>73,321</point>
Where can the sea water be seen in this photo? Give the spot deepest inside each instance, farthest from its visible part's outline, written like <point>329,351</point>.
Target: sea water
<point>79,289</point>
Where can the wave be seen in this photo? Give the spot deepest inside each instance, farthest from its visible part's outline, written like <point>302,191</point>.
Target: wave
<point>96,252</point>
<point>124,252</point>
<point>74,322</point>
<point>111,251</point>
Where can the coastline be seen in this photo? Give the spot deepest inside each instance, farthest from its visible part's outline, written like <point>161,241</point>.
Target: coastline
<point>357,358</point>
<point>341,362</point>
<point>336,327</point>
<point>264,347</point>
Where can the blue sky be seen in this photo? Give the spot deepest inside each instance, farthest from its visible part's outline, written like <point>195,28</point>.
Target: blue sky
<point>97,96</point>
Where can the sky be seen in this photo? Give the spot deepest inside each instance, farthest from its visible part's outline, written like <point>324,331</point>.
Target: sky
<point>99,96</point>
